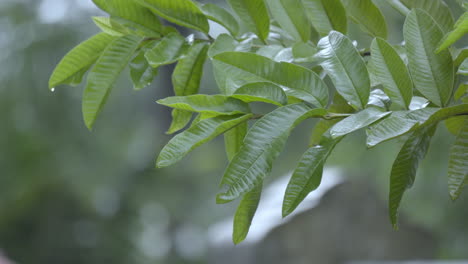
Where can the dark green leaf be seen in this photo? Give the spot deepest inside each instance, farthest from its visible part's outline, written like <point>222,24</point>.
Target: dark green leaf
<point>245,213</point>
<point>181,12</point>
<point>261,147</point>
<point>167,51</point>
<point>432,73</point>
<point>405,166</point>
<point>460,29</point>
<point>357,121</point>
<point>222,17</point>
<point>303,52</point>
<point>209,104</point>
<point>295,80</point>
<point>345,67</point>
<point>261,92</point>
<point>254,14</point>
<point>368,16</point>
<point>291,17</point>
<point>200,133</point>
<point>458,162</point>
<point>104,74</point>
<point>437,9</point>
<point>79,60</point>
<point>391,72</point>
<point>234,138</point>
<point>326,15</point>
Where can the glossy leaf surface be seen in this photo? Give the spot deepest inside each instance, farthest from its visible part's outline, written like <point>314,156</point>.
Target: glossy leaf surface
<point>208,104</point>
<point>261,92</point>
<point>167,51</point>
<point>368,16</point>
<point>291,17</point>
<point>222,17</point>
<point>254,14</point>
<point>326,15</point>
<point>357,121</point>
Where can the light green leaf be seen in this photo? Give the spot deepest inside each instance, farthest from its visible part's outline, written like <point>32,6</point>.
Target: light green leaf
<point>460,57</point>
<point>261,147</point>
<point>131,11</point>
<point>104,74</point>
<point>455,124</point>
<point>167,51</point>
<point>461,91</point>
<point>261,92</point>
<point>460,29</point>
<point>463,69</point>
<point>181,12</point>
<point>405,166</point>
<point>391,72</point>
<point>437,9</point>
<point>357,121</point>
<point>326,15</point>
<point>291,17</point>
<point>308,174</point>
<point>245,213</point>
<point>254,14</point>
<point>277,53</point>
<point>345,66</point>
<point>222,17</point>
<point>79,60</point>
<point>225,42</point>
<point>303,52</point>
<point>458,162</point>
<point>141,73</point>
<point>234,138</point>
<point>180,119</point>
<point>432,73</point>
<point>200,133</point>
<point>109,26</point>
<point>295,80</point>
<point>209,104</point>
<point>399,6</point>
<point>368,16</point>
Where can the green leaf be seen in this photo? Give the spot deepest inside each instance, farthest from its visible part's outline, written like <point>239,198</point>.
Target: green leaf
<point>277,53</point>
<point>455,124</point>
<point>391,72</point>
<point>291,17</point>
<point>181,12</point>
<point>461,91</point>
<point>460,30</point>
<point>167,51</point>
<point>295,80</point>
<point>209,104</point>
<point>303,52</point>
<point>405,166</point>
<point>368,16</point>
<point>357,121</point>
<point>200,133</point>
<point>254,14</point>
<point>180,119</point>
<point>245,213</point>
<point>222,17</point>
<point>437,9</point>
<point>234,138</point>
<point>308,174</point>
<point>261,92</point>
<point>141,73</point>
<point>225,42</point>
<point>261,147</point>
<point>463,69</point>
<point>79,60</point>
<point>104,74</point>
<point>345,66</point>
<point>109,26</point>
<point>131,11</point>
<point>432,73</point>
<point>326,15</point>
<point>400,7</point>
<point>458,162</point>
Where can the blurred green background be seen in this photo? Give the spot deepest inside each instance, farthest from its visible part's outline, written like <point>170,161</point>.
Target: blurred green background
<point>68,195</point>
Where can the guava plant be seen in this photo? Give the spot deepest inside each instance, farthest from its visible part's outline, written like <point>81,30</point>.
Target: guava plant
<point>296,56</point>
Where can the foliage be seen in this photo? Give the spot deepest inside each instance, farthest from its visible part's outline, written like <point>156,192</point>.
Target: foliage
<point>273,55</point>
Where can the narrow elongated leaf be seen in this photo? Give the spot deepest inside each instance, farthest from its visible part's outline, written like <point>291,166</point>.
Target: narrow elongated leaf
<point>405,166</point>
<point>458,162</point>
<point>295,80</point>
<point>455,124</point>
<point>391,72</point>
<point>234,138</point>
<point>357,121</point>
<point>254,14</point>
<point>291,17</point>
<point>245,213</point>
<point>340,59</point>
<point>200,133</point>
<point>167,51</point>
<point>79,59</point>
<point>463,68</point>
<point>131,11</point>
<point>277,53</point>
<point>181,12</point>
<point>222,17</point>
<point>326,15</point>
<point>209,104</point>
<point>141,73</point>
<point>303,52</point>
<point>437,9</point>
<point>109,26</point>
<point>368,16</point>
<point>399,6</point>
<point>104,74</point>
<point>180,119</point>
<point>261,92</point>
<point>461,91</point>
<point>432,73</point>
<point>261,147</point>
<point>460,29</point>
<point>308,174</point>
